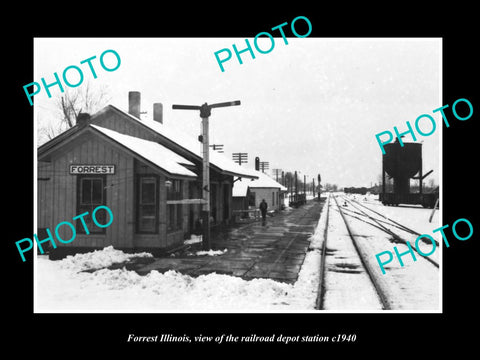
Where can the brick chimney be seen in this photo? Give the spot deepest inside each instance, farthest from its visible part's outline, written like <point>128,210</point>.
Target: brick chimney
<point>83,119</point>
<point>158,112</point>
<point>134,103</point>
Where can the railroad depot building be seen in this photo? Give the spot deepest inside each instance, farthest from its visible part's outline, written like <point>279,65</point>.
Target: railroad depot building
<point>147,174</point>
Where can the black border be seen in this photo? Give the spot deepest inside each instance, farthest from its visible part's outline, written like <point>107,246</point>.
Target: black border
<point>376,333</point>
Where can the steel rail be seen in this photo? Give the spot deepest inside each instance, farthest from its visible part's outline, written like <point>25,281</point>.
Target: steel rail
<point>380,292</point>
<point>396,236</point>
<point>401,226</point>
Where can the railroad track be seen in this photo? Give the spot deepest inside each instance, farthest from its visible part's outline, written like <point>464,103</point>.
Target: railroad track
<point>348,268</point>
<point>383,223</point>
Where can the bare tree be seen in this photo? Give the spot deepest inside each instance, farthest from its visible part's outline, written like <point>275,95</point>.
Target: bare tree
<point>85,98</point>
<point>49,131</point>
<point>68,105</point>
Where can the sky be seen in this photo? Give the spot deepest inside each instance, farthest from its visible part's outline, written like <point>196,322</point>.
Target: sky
<point>313,105</point>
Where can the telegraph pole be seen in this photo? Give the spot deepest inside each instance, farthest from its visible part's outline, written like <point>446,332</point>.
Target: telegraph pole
<point>296,186</point>
<point>205,112</point>
<point>276,173</point>
<point>264,165</point>
<point>319,186</point>
<point>217,147</point>
<point>240,158</point>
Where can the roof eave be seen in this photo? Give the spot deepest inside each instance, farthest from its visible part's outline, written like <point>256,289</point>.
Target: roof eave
<point>135,154</point>
<point>80,130</point>
<point>231,173</point>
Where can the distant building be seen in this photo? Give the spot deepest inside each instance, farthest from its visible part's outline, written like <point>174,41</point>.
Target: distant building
<point>251,192</point>
<point>147,174</point>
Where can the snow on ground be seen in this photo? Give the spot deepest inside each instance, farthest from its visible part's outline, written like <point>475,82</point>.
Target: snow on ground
<point>415,217</point>
<point>98,259</point>
<point>120,290</point>
<point>416,285</point>
<point>210,252</point>
<point>65,286</point>
<point>62,289</point>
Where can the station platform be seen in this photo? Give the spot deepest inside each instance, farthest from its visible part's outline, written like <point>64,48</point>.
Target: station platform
<point>274,250</point>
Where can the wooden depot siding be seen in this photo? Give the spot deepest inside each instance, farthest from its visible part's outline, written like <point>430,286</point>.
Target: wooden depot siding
<point>44,190</point>
<point>88,149</point>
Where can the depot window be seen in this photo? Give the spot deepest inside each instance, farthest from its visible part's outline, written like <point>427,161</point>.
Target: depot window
<point>91,193</point>
<point>147,204</point>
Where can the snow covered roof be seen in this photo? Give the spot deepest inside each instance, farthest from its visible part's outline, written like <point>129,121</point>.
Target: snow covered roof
<point>263,181</point>
<point>240,188</point>
<point>191,144</point>
<point>153,152</point>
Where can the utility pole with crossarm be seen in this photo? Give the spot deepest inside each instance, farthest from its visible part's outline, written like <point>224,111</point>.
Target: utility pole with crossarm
<point>205,112</point>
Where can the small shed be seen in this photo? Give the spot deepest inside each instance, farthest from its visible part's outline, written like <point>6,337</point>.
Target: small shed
<point>252,192</point>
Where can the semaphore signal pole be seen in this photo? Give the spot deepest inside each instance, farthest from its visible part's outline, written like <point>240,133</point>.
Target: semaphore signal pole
<point>205,112</point>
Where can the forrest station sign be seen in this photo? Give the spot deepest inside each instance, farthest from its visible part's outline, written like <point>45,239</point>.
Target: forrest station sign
<point>92,169</point>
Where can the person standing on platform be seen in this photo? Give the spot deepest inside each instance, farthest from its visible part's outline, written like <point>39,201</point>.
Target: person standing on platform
<point>263,210</point>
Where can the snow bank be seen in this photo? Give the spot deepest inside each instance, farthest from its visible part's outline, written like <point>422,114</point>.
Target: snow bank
<point>303,295</point>
<point>319,235</point>
<point>62,286</point>
<point>98,259</point>
<point>61,289</point>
